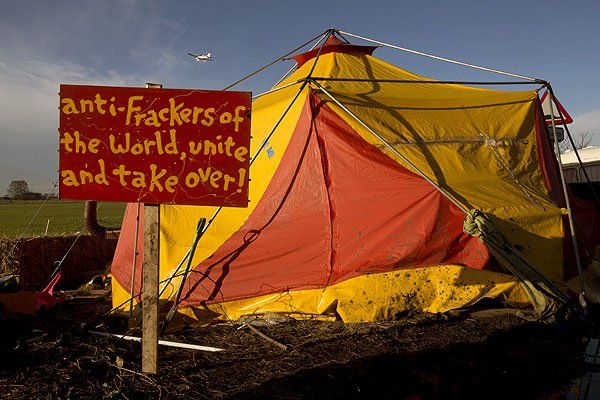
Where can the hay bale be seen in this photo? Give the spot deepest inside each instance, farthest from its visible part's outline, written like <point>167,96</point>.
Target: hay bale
<point>33,259</point>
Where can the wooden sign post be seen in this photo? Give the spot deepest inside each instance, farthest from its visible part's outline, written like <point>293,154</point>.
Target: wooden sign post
<point>150,279</point>
<point>154,146</point>
<point>150,286</point>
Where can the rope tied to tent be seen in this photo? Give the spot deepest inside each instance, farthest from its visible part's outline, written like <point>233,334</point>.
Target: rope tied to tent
<point>477,225</point>
<point>542,293</point>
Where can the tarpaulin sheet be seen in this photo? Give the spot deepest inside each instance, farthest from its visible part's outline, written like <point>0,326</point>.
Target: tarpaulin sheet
<point>334,215</point>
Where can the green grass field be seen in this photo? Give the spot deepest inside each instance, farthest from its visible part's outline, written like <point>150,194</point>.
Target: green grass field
<point>66,217</point>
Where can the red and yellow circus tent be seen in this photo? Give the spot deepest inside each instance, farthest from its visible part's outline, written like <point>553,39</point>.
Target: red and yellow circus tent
<point>358,199</point>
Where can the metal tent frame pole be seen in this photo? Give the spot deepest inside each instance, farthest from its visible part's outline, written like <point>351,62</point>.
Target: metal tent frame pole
<point>449,60</point>
<point>393,149</point>
<point>587,178</point>
<point>328,34</point>
<point>567,201</point>
<point>287,85</point>
<point>447,82</point>
<point>274,61</point>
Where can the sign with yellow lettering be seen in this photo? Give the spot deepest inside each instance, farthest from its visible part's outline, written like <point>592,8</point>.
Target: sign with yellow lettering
<point>153,145</point>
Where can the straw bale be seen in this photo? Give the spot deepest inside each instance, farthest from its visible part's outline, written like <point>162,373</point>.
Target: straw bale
<point>34,258</point>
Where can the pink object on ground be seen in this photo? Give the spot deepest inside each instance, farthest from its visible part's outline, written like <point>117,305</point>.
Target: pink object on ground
<point>45,299</point>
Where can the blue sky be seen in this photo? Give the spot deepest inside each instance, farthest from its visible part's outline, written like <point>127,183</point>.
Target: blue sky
<point>45,43</point>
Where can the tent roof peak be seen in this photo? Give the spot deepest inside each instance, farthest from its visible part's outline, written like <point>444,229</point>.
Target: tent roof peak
<point>334,45</point>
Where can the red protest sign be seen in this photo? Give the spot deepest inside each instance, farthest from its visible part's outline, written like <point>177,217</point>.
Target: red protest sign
<point>151,145</point>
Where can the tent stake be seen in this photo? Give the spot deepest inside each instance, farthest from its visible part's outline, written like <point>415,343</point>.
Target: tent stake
<point>266,338</point>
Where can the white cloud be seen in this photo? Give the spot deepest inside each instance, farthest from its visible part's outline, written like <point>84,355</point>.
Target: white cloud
<point>29,116</point>
<point>91,44</point>
<point>161,57</point>
<point>587,122</point>
<point>30,92</point>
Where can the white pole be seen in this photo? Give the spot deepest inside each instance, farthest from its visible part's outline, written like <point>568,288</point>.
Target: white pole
<point>161,342</point>
<point>47,226</point>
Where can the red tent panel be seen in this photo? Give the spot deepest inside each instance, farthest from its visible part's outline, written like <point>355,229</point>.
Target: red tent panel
<point>337,207</point>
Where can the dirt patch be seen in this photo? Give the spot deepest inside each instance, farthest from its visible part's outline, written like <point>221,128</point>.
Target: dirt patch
<point>427,357</point>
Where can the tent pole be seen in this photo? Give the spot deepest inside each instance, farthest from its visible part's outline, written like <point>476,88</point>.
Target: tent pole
<point>318,78</point>
<point>329,33</point>
<point>273,62</point>
<point>292,68</point>
<point>567,201</point>
<point>175,306</point>
<point>587,178</point>
<point>173,275</point>
<point>464,64</point>
<point>135,256</point>
<point>342,36</point>
<point>393,150</point>
<point>287,85</point>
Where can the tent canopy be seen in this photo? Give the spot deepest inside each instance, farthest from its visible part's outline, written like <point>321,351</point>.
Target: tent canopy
<point>352,225</point>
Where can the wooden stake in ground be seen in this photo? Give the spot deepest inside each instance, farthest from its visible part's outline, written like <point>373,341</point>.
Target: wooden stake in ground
<point>150,288</point>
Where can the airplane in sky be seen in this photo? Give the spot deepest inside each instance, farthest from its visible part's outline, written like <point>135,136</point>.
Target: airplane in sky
<point>202,57</point>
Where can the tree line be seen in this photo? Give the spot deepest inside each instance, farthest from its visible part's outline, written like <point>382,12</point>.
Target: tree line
<point>19,190</point>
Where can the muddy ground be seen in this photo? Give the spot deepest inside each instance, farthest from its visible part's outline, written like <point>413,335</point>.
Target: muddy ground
<point>420,357</point>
